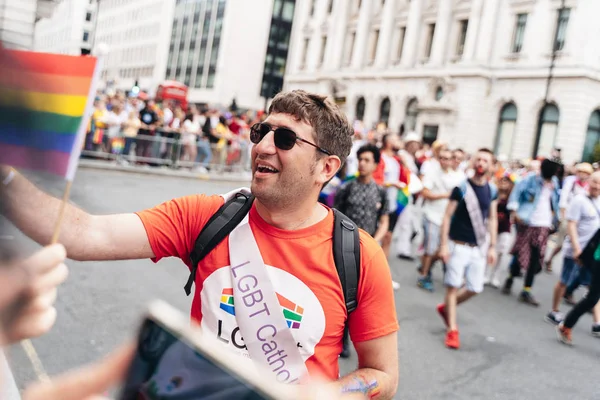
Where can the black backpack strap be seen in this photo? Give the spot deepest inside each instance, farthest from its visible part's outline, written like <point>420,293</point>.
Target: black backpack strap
<point>216,229</point>
<point>346,254</point>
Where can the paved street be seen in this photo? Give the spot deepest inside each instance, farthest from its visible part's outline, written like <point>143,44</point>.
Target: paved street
<point>507,352</point>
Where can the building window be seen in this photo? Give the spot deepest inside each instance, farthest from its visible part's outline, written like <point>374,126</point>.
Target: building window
<point>506,130</point>
<point>429,43</point>
<point>591,148</point>
<point>304,53</point>
<point>360,109</point>
<point>547,130</point>
<point>519,34</point>
<point>462,37</point>
<point>400,46</point>
<point>439,93</point>
<point>88,16</point>
<point>86,36</point>
<point>561,28</point>
<point>430,134</point>
<point>288,11</point>
<point>373,45</point>
<point>312,7</point>
<point>349,48</point>
<point>330,7</point>
<point>412,112</point>
<point>384,111</point>
<point>323,47</point>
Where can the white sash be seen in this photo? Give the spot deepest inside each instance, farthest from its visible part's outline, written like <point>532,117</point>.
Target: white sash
<point>477,221</point>
<point>257,311</point>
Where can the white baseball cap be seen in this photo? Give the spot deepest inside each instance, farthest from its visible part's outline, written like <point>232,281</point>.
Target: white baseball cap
<point>411,137</point>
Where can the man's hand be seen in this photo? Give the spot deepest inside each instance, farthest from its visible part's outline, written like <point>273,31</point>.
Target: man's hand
<point>491,256</point>
<point>444,253</point>
<point>87,383</point>
<point>32,313</point>
<point>397,185</point>
<point>576,252</point>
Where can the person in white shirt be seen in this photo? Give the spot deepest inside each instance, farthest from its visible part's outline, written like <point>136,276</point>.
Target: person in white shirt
<point>583,220</point>
<point>438,185</point>
<point>573,186</point>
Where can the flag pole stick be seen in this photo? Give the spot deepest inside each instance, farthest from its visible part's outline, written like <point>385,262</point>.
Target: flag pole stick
<point>61,212</point>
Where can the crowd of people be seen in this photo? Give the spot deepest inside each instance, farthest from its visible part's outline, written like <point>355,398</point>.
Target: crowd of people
<point>485,220</point>
<point>143,132</point>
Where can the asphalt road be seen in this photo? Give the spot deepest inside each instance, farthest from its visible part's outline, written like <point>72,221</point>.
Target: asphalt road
<point>507,352</point>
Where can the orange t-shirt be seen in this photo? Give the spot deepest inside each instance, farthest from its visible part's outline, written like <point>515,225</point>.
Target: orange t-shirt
<point>301,267</point>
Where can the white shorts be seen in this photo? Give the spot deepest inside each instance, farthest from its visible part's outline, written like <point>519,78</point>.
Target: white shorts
<point>466,264</point>
<point>505,243</point>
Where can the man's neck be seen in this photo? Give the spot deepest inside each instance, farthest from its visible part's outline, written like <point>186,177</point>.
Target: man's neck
<point>389,152</point>
<point>479,180</point>
<point>291,220</point>
<point>364,178</point>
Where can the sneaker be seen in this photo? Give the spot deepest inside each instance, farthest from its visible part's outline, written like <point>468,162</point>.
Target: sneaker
<point>554,318</point>
<point>452,340</point>
<point>507,286</point>
<point>596,330</point>
<point>441,309</point>
<point>486,281</point>
<point>527,298</point>
<point>564,334</point>
<point>496,283</point>
<point>425,283</point>
<point>395,285</point>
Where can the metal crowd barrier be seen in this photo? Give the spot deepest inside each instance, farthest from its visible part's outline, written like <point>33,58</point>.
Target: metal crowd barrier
<point>165,149</point>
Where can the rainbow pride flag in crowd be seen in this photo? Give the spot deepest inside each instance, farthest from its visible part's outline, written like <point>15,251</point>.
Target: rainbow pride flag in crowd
<point>45,101</point>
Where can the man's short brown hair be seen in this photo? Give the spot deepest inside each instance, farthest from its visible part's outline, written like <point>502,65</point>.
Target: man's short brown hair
<point>333,132</point>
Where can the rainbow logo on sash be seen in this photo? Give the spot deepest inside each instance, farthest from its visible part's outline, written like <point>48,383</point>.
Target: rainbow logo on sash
<point>292,312</point>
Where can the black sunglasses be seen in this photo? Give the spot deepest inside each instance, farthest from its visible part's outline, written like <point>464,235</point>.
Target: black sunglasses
<point>284,138</point>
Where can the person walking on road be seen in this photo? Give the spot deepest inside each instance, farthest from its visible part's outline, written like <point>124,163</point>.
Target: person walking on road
<point>469,219</point>
<point>583,220</point>
<point>573,186</point>
<point>286,237</point>
<point>534,207</point>
<point>364,202</point>
<point>437,188</point>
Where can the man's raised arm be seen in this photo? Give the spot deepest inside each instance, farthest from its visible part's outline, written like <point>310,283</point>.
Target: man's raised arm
<point>85,236</point>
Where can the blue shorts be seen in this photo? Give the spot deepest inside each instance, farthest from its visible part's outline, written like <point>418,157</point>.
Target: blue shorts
<point>569,271</point>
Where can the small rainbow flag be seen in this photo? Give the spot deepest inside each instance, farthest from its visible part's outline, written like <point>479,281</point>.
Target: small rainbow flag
<point>45,101</point>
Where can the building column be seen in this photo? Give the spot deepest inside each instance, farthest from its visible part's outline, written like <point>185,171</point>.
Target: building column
<point>337,34</point>
<point>362,34</point>
<point>442,32</point>
<point>413,30</point>
<point>488,30</point>
<point>385,34</point>
<point>473,35</point>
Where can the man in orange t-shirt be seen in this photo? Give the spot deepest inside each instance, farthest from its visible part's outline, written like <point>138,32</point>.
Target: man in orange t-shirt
<point>298,148</point>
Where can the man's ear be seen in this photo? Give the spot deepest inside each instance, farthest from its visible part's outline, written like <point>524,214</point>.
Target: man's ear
<point>330,166</point>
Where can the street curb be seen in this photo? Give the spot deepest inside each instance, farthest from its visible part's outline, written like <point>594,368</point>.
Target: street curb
<point>107,166</point>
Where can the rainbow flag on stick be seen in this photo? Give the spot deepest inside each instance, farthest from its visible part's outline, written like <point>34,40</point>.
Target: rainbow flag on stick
<point>45,105</point>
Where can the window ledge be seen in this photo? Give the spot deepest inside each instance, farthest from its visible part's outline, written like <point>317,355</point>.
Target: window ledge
<point>513,57</point>
<point>559,54</point>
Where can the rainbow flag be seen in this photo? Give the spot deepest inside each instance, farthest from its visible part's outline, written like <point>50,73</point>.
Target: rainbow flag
<point>402,200</point>
<point>45,101</point>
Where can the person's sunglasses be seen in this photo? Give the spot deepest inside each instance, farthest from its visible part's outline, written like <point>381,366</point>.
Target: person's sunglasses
<point>284,138</point>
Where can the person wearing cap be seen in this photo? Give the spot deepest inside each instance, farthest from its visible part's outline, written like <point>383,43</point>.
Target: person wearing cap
<point>412,144</point>
<point>573,186</point>
<point>534,210</point>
